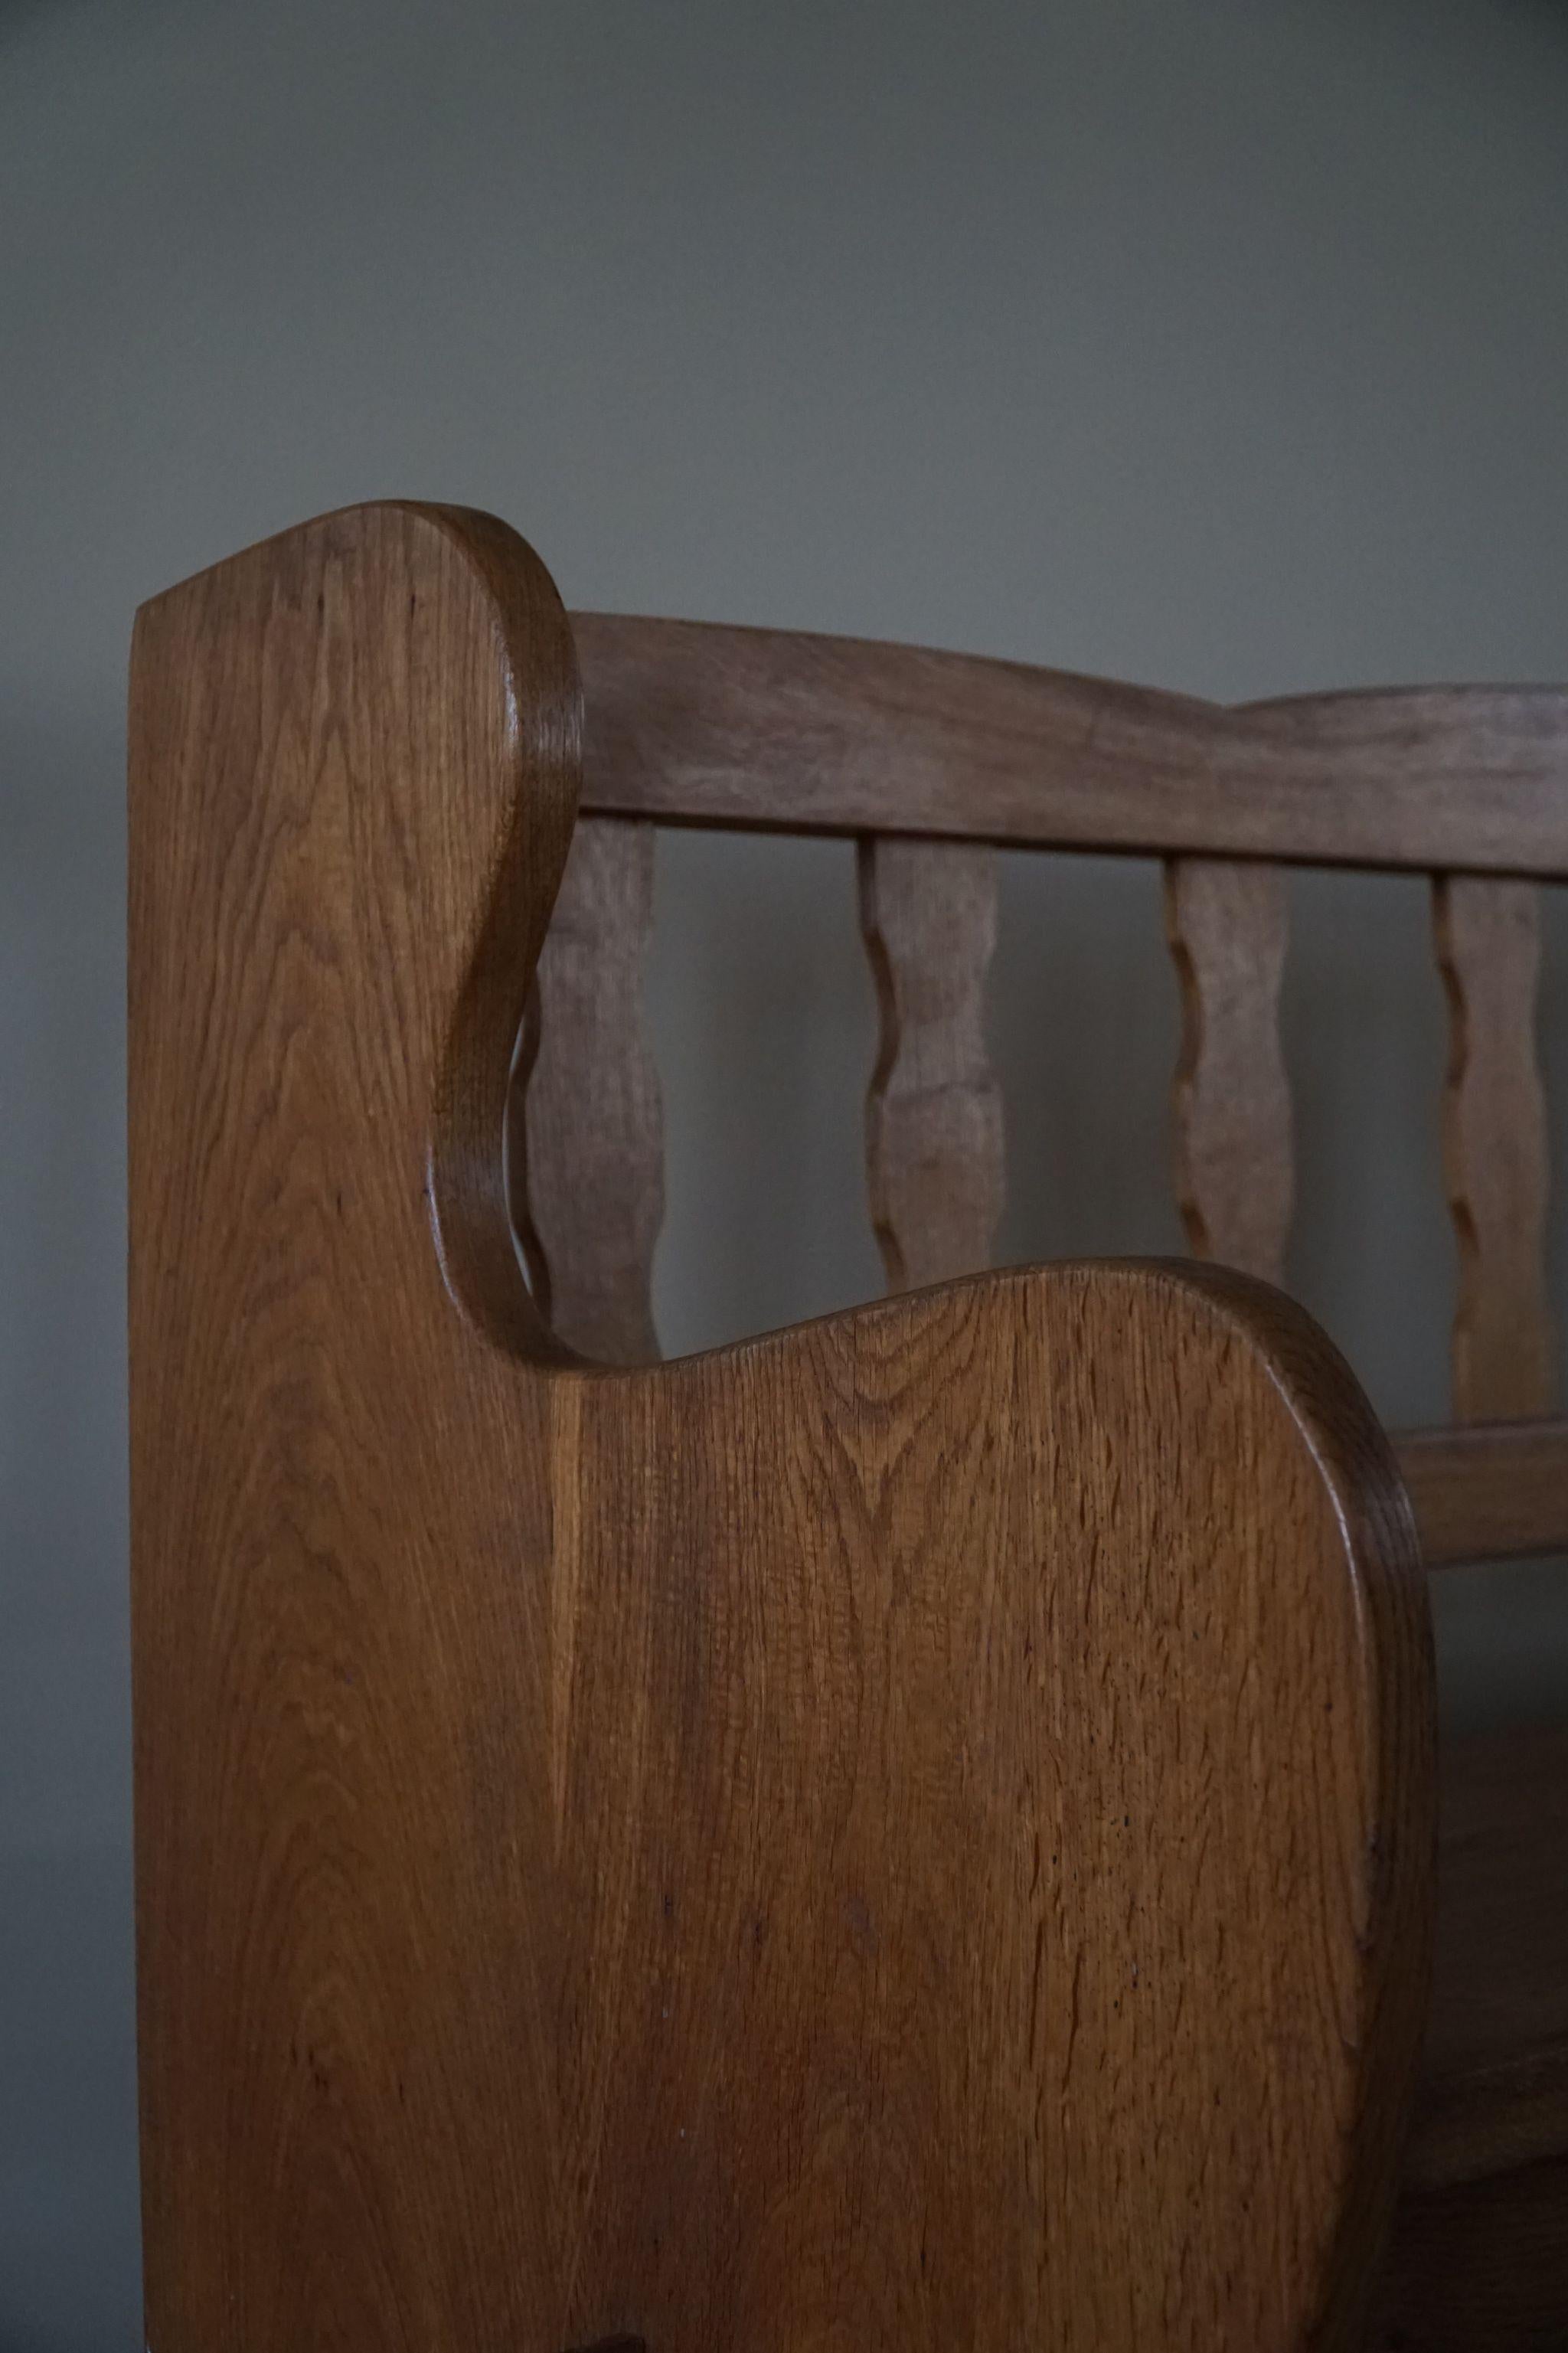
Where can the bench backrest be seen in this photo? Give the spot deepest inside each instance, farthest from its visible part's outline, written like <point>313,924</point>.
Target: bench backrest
<point>931,761</point>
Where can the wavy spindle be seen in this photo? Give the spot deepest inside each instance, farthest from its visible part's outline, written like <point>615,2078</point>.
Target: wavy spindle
<point>585,1128</point>
<point>1494,1145</point>
<point>933,1111</point>
<point>1226,922</point>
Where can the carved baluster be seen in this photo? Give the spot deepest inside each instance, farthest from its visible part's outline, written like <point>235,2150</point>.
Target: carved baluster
<point>585,1132</point>
<point>1226,922</point>
<point>934,1114</point>
<point>1494,1145</point>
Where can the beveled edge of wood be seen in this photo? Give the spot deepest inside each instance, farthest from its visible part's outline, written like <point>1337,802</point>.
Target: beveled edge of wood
<point>705,724</point>
<point>1383,1559</point>
<point>536,802</point>
<point>1353,1451</point>
<point>503,718</point>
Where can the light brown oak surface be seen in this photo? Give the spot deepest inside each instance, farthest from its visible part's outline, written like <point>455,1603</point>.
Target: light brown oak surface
<point>911,1834</point>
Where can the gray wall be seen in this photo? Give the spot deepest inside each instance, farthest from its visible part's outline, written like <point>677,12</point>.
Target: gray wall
<point>1220,346</point>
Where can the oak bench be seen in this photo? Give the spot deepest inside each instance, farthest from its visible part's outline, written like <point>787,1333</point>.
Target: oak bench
<point>915,1831</point>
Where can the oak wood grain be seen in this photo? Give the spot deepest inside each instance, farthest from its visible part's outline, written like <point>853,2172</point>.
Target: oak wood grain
<point>1226,922</point>
<point>933,1110</point>
<point>587,1128</point>
<point>1493,1491</point>
<point>1494,1146</point>
<point>911,1832</point>
<point>695,723</point>
<point>353,766</point>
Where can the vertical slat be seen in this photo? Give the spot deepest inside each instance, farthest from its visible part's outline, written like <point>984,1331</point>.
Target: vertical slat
<point>934,1114</point>
<point>1494,1145</point>
<point>585,1138</point>
<point>1226,922</point>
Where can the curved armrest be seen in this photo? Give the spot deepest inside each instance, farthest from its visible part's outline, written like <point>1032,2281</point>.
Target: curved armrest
<point>910,1832</point>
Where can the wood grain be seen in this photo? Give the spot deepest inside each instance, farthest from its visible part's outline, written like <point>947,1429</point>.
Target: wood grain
<point>913,1833</point>
<point>586,1131</point>
<point>353,757</point>
<point>695,723</point>
<point>1226,922</point>
<point>934,1111</point>
<point>1495,1491</point>
<point>1494,1146</point>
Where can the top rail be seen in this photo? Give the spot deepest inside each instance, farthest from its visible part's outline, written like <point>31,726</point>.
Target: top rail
<point>694,723</point>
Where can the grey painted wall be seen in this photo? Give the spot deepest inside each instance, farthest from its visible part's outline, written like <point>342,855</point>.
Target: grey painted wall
<point>1221,346</point>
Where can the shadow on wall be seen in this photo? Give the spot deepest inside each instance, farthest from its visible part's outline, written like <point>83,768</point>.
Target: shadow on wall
<point>67,2155</point>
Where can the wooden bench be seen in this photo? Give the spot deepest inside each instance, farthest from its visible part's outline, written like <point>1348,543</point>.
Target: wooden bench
<point>915,1831</point>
